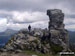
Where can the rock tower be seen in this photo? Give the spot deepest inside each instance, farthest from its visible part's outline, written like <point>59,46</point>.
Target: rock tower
<point>58,35</point>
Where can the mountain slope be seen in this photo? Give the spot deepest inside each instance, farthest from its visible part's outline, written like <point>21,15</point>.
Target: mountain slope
<point>7,32</point>
<point>71,37</point>
<point>5,36</point>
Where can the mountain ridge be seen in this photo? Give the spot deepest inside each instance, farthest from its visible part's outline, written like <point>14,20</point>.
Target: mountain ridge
<point>8,32</point>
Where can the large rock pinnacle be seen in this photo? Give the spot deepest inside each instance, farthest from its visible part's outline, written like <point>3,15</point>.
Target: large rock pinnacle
<point>58,35</point>
<point>56,18</point>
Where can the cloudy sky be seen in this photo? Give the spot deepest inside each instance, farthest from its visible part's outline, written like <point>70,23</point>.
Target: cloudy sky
<point>18,14</point>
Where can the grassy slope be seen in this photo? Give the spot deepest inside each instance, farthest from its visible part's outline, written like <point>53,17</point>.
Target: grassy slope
<point>39,54</point>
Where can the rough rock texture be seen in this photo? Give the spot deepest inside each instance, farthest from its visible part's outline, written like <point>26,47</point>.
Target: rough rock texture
<point>58,35</point>
<point>24,40</point>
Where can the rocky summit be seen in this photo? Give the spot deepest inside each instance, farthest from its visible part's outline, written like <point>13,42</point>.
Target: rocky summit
<point>52,40</point>
<point>58,35</point>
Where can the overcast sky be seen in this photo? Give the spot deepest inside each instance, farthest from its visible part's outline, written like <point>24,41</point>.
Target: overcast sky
<point>18,14</point>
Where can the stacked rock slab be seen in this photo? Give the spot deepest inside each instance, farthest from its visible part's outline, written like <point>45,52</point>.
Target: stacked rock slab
<point>58,35</point>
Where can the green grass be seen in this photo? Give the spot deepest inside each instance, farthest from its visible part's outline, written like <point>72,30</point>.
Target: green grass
<point>56,48</point>
<point>38,54</point>
<point>67,55</point>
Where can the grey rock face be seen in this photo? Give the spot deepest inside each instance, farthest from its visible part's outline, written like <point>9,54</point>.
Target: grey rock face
<point>56,18</point>
<point>58,35</point>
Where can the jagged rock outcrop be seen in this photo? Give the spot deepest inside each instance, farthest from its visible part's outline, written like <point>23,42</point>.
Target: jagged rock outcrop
<point>58,35</point>
<point>24,40</point>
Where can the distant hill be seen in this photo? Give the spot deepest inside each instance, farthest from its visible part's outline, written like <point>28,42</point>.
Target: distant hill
<point>5,36</point>
<point>10,32</point>
<point>7,32</point>
<point>71,37</point>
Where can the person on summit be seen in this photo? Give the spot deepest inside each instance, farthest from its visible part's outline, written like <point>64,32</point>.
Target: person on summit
<point>29,28</point>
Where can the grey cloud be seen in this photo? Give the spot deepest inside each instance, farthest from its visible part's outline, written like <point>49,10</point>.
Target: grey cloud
<point>27,22</point>
<point>4,15</point>
<point>32,5</point>
<point>36,5</point>
<point>70,16</point>
<point>20,5</point>
<point>70,5</point>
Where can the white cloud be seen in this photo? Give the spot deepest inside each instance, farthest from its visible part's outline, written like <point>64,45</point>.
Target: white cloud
<point>70,26</point>
<point>3,24</point>
<point>24,12</point>
<point>40,24</point>
<point>17,26</point>
<point>69,21</point>
<point>35,19</point>
<point>28,17</point>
